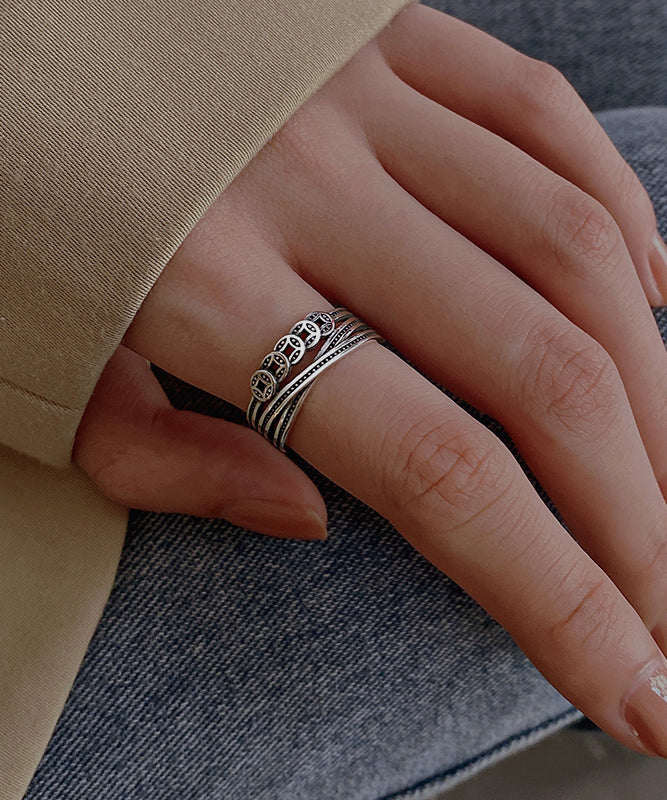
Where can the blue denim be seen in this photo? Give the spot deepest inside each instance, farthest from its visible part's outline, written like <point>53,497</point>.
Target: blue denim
<point>232,666</point>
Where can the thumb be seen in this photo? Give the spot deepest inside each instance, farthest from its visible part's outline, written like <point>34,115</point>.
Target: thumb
<point>143,453</point>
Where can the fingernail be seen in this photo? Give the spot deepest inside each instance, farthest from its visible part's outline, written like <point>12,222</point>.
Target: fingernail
<point>276,519</point>
<point>658,261</point>
<point>646,708</point>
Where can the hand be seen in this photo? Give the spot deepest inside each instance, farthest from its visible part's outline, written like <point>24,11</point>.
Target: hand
<point>460,198</point>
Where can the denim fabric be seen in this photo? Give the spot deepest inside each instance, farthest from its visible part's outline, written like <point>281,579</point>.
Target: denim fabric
<point>612,51</point>
<point>232,666</point>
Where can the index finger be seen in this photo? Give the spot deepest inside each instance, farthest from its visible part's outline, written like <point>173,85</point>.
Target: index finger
<point>460,498</point>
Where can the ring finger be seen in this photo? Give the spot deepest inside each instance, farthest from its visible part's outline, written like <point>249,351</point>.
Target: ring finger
<point>531,104</point>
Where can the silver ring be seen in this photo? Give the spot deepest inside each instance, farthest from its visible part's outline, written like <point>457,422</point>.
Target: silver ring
<point>272,411</point>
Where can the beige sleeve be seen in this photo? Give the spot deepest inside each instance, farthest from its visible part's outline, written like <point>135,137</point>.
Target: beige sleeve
<point>120,122</point>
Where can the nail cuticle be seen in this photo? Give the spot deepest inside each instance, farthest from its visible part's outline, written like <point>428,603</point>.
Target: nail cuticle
<point>658,265</point>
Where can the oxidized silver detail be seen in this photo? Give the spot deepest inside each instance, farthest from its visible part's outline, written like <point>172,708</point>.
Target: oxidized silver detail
<point>272,416</point>
<point>277,364</point>
<point>263,385</point>
<point>291,346</point>
<point>308,331</point>
<point>324,320</point>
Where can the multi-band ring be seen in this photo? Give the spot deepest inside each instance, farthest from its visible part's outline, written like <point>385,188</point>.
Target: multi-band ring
<point>275,404</point>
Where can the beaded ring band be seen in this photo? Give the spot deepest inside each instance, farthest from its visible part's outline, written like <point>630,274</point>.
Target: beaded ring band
<point>274,405</point>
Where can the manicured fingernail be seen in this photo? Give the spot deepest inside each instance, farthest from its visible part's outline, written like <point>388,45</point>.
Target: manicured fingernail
<point>276,519</point>
<point>646,708</point>
<point>658,261</point>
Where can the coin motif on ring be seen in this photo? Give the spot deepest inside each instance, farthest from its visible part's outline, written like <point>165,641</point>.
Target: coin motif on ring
<point>263,385</point>
<point>308,332</point>
<point>291,346</point>
<point>324,320</point>
<point>277,364</point>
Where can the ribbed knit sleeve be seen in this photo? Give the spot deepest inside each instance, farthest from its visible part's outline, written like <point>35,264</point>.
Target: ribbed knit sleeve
<point>120,122</point>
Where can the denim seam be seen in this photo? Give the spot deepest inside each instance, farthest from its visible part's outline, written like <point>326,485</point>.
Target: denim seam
<point>443,781</point>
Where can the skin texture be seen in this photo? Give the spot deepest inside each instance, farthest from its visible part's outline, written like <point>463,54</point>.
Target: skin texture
<point>459,197</point>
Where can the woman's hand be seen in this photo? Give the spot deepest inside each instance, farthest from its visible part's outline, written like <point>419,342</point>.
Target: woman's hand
<point>460,198</point>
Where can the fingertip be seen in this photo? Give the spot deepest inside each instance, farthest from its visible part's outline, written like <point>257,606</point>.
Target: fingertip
<point>275,519</point>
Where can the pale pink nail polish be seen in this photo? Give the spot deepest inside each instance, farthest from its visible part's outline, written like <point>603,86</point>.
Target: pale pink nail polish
<point>645,708</point>
<point>658,261</point>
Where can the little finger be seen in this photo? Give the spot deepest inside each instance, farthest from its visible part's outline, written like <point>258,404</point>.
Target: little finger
<point>144,453</point>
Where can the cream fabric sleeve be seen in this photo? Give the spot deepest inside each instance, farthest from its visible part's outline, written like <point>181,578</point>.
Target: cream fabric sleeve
<point>120,122</point>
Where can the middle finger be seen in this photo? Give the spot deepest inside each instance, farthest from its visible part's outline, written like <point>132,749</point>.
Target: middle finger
<point>552,234</point>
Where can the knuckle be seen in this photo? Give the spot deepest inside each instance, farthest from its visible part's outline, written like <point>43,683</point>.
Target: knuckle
<point>116,462</point>
<point>566,376</point>
<point>653,565</point>
<point>462,469</point>
<point>592,619</point>
<point>298,149</point>
<point>582,234</point>
<point>540,88</point>
<point>293,150</point>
